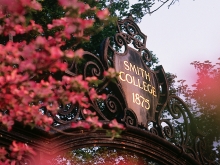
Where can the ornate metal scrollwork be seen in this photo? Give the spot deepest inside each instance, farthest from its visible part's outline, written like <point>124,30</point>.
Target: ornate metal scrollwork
<point>109,109</point>
<point>67,113</point>
<point>176,124</point>
<point>170,118</point>
<point>173,120</point>
<point>131,118</point>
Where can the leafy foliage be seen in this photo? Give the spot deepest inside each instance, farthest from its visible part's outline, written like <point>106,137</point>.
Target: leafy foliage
<point>204,99</point>
<point>102,155</point>
<point>37,38</point>
<point>35,52</point>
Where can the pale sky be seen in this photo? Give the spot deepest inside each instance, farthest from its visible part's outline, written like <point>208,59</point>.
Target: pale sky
<point>188,31</point>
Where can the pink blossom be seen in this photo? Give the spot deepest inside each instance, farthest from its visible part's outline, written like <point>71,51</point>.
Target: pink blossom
<point>3,152</point>
<point>80,124</point>
<point>19,29</point>
<point>79,53</point>
<point>23,63</point>
<point>94,121</point>
<point>7,121</point>
<point>21,147</point>
<point>41,40</point>
<point>91,79</point>
<point>103,14</point>
<point>111,73</point>
<point>56,53</point>
<point>69,53</point>
<point>115,124</point>
<point>26,65</point>
<point>70,29</point>
<point>75,4</point>
<point>93,95</point>
<point>88,112</point>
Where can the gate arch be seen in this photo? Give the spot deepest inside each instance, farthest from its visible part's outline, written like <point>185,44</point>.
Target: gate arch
<point>165,132</point>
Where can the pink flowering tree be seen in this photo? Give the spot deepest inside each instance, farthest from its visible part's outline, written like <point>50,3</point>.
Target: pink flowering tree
<point>23,91</point>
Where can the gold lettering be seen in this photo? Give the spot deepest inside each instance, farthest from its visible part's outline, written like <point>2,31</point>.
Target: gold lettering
<point>154,92</point>
<point>139,85</point>
<point>121,76</point>
<point>131,79</point>
<point>147,76</point>
<point>147,101</point>
<point>140,100</point>
<point>145,86</point>
<point>138,73</point>
<point>126,65</point>
<point>134,82</point>
<point>133,68</point>
<point>142,72</point>
<point>126,76</point>
<point>149,90</point>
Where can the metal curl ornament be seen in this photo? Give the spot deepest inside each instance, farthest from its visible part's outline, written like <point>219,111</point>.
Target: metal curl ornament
<point>64,116</point>
<point>113,104</point>
<point>120,41</point>
<point>93,69</point>
<point>130,121</point>
<point>146,55</point>
<point>137,44</point>
<point>127,38</point>
<point>131,118</point>
<point>93,66</point>
<point>129,31</point>
<point>175,110</point>
<point>154,131</point>
<point>168,131</point>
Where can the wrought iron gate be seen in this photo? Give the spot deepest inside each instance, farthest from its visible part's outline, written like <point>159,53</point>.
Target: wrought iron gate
<point>159,126</point>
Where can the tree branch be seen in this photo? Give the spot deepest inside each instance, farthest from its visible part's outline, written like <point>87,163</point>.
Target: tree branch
<point>69,133</point>
<point>173,1</point>
<point>159,7</point>
<point>163,3</point>
<point>78,134</point>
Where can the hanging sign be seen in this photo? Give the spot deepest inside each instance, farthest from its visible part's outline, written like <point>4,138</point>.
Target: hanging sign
<point>138,83</point>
